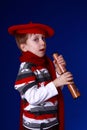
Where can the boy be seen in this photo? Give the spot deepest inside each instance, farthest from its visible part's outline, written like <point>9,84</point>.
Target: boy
<point>40,89</point>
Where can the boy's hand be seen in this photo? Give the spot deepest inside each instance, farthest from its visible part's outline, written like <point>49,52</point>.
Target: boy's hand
<point>64,79</point>
<point>61,61</point>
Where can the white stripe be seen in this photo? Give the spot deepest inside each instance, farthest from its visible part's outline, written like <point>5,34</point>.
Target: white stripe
<point>38,121</point>
<point>46,104</point>
<point>36,95</point>
<point>19,85</point>
<point>22,84</point>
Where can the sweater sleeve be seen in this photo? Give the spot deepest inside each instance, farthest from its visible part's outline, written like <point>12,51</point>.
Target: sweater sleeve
<point>27,86</point>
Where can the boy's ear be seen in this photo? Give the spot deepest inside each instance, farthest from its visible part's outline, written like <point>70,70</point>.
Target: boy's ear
<point>23,47</point>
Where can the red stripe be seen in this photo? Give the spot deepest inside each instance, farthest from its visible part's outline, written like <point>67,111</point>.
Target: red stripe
<point>24,80</point>
<point>39,117</point>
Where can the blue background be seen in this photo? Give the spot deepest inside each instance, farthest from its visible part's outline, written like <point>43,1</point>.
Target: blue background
<point>69,20</point>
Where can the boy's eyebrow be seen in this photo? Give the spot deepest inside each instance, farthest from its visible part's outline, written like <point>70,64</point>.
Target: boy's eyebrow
<point>36,35</point>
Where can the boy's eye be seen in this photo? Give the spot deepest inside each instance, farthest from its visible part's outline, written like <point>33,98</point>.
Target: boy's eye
<point>36,39</point>
<point>43,38</point>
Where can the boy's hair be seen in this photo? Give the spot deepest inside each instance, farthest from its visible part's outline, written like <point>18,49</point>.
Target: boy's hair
<point>21,39</point>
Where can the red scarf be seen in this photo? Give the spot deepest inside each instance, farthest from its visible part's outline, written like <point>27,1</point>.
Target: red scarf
<point>45,62</point>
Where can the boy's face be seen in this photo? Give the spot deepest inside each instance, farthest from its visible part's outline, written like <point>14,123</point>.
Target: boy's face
<point>35,44</point>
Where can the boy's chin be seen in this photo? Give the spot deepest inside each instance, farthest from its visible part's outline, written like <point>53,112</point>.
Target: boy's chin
<point>41,55</point>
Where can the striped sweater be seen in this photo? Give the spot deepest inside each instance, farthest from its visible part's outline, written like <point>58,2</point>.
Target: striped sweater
<point>39,96</point>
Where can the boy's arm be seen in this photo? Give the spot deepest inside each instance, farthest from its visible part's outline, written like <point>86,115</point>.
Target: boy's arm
<point>27,86</point>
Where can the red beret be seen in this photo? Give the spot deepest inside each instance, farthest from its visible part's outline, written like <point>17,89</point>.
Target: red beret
<point>31,28</point>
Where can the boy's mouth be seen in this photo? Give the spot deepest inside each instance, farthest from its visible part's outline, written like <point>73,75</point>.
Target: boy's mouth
<point>42,49</point>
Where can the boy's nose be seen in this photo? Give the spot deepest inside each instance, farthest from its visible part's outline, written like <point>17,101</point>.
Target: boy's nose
<point>42,42</point>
